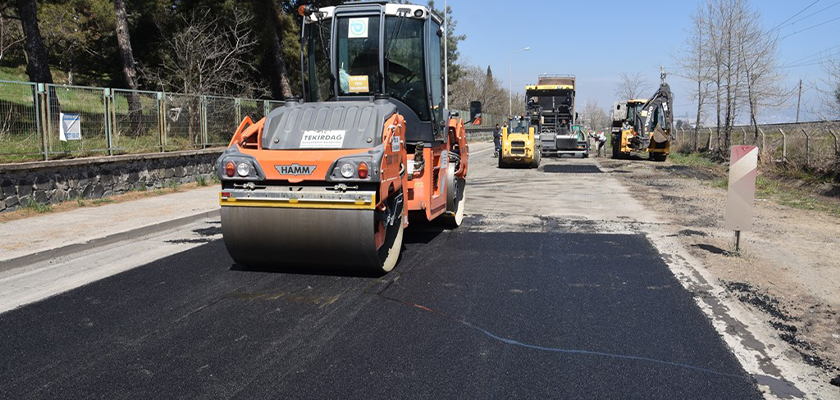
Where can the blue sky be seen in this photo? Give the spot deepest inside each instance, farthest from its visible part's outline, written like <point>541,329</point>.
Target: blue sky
<point>597,40</point>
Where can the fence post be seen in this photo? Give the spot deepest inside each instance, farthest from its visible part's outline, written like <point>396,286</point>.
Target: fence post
<point>238,105</point>
<point>202,113</point>
<point>108,106</point>
<point>836,152</point>
<point>784,145</point>
<point>807,148</point>
<point>161,106</point>
<point>42,110</point>
<point>48,113</point>
<point>265,108</point>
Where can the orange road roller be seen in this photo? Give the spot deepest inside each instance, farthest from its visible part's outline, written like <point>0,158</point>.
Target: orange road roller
<point>329,180</point>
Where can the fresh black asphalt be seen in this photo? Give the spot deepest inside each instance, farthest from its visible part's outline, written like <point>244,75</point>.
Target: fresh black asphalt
<point>464,315</point>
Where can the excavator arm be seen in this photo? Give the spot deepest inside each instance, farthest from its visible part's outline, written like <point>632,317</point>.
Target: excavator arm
<point>656,117</point>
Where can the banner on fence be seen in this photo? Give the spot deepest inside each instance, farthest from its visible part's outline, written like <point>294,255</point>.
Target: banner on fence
<point>70,127</point>
<point>743,164</point>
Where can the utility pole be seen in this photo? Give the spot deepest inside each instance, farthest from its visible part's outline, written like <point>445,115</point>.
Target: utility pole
<point>798,101</point>
<point>445,58</point>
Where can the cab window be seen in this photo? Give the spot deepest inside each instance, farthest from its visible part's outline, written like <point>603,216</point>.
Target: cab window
<point>404,67</point>
<point>357,55</point>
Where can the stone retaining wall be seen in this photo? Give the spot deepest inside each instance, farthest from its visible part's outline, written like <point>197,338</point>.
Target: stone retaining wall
<point>52,182</point>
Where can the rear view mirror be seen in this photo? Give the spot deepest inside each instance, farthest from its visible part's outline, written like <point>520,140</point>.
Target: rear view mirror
<point>475,112</point>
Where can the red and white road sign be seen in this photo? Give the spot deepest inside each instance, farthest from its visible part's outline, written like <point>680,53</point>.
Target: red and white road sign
<point>743,164</point>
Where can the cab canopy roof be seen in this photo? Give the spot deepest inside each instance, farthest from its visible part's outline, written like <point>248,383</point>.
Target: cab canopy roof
<point>553,82</point>
<point>401,10</point>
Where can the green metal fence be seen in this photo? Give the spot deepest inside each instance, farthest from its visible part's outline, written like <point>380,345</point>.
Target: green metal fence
<point>114,121</point>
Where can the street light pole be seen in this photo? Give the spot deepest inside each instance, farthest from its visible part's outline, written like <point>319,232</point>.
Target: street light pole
<point>510,79</point>
<point>445,59</point>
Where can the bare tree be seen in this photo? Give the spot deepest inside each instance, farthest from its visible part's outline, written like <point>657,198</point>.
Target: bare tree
<point>208,56</point>
<point>830,88</point>
<point>759,57</point>
<point>479,84</point>
<point>594,116</point>
<point>631,86</point>
<point>727,23</point>
<point>716,57</point>
<point>10,34</point>
<point>695,64</point>
<point>469,88</point>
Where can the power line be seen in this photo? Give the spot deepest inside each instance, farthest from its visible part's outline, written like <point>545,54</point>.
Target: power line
<point>810,27</point>
<point>815,54</point>
<point>808,64</point>
<point>794,15</point>
<point>810,15</point>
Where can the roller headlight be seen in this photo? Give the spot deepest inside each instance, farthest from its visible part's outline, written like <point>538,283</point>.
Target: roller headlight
<point>243,169</point>
<point>347,170</point>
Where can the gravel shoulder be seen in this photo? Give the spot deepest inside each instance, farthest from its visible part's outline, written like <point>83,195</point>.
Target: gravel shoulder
<point>789,269</point>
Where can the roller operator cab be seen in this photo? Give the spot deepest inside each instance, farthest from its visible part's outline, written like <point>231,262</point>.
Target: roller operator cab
<point>520,144</point>
<point>329,180</point>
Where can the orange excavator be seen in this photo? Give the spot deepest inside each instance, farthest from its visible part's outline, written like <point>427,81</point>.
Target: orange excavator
<point>330,180</point>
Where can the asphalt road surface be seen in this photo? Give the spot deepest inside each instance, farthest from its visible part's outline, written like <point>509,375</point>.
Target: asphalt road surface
<point>540,294</point>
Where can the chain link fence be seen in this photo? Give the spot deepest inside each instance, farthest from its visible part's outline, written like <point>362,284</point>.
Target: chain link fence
<point>20,122</point>
<point>105,121</point>
<point>812,145</point>
<point>90,104</point>
<point>221,118</point>
<point>137,122</point>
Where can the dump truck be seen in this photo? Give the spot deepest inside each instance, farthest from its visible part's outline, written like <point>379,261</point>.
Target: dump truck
<point>329,180</point>
<point>519,144</point>
<point>551,107</point>
<point>644,126</point>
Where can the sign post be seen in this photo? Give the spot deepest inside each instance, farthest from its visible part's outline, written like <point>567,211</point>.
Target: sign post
<point>743,164</point>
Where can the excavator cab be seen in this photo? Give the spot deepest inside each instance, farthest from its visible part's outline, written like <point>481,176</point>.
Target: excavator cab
<point>359,50</point>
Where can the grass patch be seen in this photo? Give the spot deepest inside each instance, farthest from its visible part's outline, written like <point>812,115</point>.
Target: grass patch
<point>692,160</point>
<point>776,190</point>
<point>201,180</point>
<point>14,74</point>
<point>38,207</point>
<point>173,185</point>
<point>765,187</point>
<point>104,200</point>
<point>722,183</point>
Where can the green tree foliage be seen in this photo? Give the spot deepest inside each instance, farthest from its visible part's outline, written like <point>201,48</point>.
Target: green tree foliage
<point>79,37</point>
<point>452,40</point>
<point>80,41</point>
